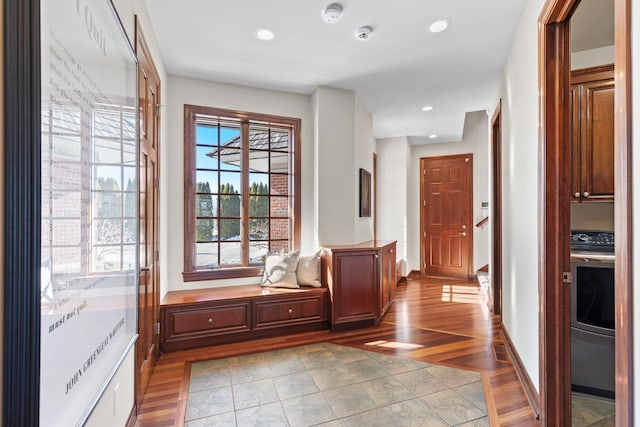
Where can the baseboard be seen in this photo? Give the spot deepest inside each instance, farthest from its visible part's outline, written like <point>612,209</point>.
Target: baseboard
<point>523,376</point>
<point>133,416</point>
<point>414,274</point>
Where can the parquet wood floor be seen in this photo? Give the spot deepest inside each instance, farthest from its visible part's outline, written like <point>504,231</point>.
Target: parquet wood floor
<point>442,319</point>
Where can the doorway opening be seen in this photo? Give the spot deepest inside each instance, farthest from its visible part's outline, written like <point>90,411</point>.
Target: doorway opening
<point>496,222</point>
<point>555,268</point>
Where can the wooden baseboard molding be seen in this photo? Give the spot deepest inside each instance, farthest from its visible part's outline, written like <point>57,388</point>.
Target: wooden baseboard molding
<point>414,274</point>
<point>133,416</point>
<point>529,389</point>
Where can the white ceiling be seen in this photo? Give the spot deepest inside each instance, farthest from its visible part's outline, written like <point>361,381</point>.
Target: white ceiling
<point>592,25</point>
<point>401,68</point>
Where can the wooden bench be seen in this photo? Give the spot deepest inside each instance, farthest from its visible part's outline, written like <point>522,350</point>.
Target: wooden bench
<point>201,317</point>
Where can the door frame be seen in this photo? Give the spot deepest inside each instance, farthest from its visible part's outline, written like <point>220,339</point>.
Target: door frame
<point>555,127</point>
<point>496,210</point>
<point>424,251</point>
<point>141,43</point>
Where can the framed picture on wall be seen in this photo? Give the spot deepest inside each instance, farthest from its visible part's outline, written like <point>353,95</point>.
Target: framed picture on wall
<point>365,193</point>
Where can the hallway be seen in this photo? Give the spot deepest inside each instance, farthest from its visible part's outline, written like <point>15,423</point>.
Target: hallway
<point>432,320</point>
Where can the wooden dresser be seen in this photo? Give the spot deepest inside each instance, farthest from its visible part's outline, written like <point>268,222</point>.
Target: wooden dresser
<point>361,280</point>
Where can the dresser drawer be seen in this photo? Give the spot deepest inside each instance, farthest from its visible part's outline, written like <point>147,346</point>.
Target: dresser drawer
<point>207,320</point>
<point>290,311</point>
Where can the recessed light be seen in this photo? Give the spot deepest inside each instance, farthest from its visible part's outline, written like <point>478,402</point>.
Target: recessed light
<point>427,108</point>
<point>264,34</point>
<point>332,13</point>
<point>433,136</point>
<point>439,26</point>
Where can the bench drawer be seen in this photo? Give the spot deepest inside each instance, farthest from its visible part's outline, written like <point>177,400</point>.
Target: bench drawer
<point>290,311</point>
<point>209,320</point>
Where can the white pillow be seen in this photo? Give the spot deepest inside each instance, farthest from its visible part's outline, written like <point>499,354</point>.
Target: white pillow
<point>280,270</point>
<point>308,272</point>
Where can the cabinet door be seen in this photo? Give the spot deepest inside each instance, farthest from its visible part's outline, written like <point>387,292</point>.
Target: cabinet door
<point>575,143</point>
<point>388,276</point>
<point>597,141</point>
<point>356,286</point>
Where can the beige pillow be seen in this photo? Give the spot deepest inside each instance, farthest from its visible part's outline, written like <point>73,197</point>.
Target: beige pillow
<point>308,272</point>
<point>280,270</point>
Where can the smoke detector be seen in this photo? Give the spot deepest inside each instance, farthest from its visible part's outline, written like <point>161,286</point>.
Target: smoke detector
<point>332,13</point>
<point>363,33</point>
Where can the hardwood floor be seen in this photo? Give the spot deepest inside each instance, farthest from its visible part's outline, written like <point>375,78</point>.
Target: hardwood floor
<point>433,320</point>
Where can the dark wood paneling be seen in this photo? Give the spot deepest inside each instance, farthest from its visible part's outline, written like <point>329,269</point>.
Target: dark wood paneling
<point>22,190</point>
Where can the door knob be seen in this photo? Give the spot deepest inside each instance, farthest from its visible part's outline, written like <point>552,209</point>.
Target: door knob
<point>577,194</point>
<point>143,269</point>
<point>464,234</point>
<point>464,227</point>
<point>586,194</point>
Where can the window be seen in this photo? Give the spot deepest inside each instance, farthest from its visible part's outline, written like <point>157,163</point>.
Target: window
<point>89,201</point>
<point>242,191</point>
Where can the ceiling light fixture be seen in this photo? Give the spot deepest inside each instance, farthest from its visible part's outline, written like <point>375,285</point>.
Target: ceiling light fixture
<point>264,34</point>
<point>332,13</point>
<point>363,33</point>
<point>433,136</point>
<point>427,108</point>
<point>439,26</point>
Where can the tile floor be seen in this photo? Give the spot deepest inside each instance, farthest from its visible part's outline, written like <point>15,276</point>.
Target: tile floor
<point>592,411</point>
<point>331,385</point>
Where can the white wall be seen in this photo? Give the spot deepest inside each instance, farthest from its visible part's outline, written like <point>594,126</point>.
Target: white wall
<point>592,57</point>
<point>116,403</point>
<point>475,141</point>
<point>635,29</point>
<point>393,167</point>
<point>181,91</point>
<point>520,196</point>
<point>364,146</point>
<point>334,135</point>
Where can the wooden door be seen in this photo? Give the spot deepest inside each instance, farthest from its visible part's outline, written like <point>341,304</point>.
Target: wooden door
<point>597,141</point>
<point>447,215</point>
<point>496,221</point>
<point>147,348</point>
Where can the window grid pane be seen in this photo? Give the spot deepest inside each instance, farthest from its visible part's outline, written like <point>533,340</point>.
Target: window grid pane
<point>222,184</point>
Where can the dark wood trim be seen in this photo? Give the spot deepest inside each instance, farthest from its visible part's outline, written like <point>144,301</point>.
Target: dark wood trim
<point>482,222</point>
<point>555,79</point>
<point>496,223</point>
<point>555,135</point>
<point>244,207</point>
<point>133,416</point>
<point>423,223</point>
<point>623,216</point>
<point>374,178</point>
<point>224,273</point>
<point>521,371</point>
<point>600,72</point>
<point>190,114</point>
<point>22,221</point>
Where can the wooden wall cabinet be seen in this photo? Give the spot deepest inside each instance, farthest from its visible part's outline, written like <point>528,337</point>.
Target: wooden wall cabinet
<point>592,133</point>
<point>362,280</point>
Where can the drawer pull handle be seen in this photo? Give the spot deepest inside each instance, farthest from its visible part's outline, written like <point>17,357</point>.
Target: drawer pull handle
<point>210,320</point>
<point>290,311</point>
